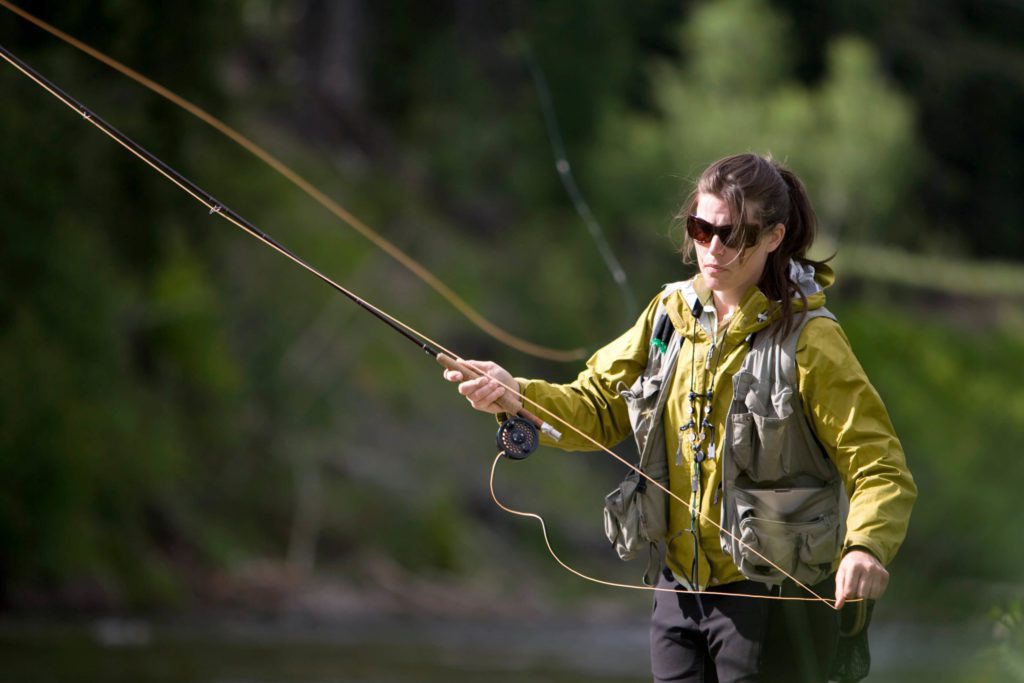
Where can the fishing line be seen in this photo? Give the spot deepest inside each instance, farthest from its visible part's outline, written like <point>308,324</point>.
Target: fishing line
<point>632,586</point>
<point>411,264</point>
<point>442,355</point>
<point>429,346</point>
<point>565,174</point>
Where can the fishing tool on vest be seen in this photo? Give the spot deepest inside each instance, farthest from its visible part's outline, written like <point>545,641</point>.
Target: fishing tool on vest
<point>516,431</point>
<point>701,437</point>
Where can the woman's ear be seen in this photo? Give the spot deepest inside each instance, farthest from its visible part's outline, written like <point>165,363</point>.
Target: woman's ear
<point>775,236</point>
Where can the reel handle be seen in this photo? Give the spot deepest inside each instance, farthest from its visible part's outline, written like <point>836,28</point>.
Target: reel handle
<point>469,372</point>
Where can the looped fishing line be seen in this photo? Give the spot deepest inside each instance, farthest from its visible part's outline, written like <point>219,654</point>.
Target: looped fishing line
<point>631,586</point>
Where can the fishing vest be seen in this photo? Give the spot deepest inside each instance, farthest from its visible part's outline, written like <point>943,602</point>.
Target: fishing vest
<point>782,497</point>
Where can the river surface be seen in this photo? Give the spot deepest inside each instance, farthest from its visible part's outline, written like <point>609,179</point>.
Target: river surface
<point>401,651</point>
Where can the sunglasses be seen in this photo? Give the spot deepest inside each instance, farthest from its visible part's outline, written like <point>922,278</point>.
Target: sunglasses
<point>703,232</point>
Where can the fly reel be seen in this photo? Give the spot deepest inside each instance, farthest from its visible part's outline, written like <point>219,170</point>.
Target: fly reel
<point>517,438</point>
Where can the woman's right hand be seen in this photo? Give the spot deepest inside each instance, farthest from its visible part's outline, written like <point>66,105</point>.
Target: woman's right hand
<point>484,391</point>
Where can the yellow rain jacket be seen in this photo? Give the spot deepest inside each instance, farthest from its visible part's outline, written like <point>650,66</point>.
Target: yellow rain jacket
<point>840,404</point>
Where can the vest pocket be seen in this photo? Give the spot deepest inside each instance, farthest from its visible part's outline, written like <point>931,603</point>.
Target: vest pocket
<point>771,539</point>
<point>635,515</point>
<point>741,439</point>
<point>758,445</point>
<point>818,550</point>
<point>797,529</point>
<point>803,550</point>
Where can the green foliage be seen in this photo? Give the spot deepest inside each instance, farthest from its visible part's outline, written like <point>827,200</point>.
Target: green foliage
<point>115,370</point>
<point>850,137</point>
<point>81,478</point>
<point>1004,661</point>
<point>187,331</point>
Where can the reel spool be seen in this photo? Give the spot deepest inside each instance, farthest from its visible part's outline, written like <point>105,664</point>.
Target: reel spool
<point>517,438</point>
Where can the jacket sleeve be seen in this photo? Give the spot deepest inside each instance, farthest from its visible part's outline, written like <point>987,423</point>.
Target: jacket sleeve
<point>592,403</point>
<point>854,427</point>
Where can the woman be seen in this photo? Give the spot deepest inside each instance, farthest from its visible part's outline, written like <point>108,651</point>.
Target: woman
<point>749,225</point>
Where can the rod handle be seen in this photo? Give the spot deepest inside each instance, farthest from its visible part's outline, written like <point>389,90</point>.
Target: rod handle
<point>469,372</point>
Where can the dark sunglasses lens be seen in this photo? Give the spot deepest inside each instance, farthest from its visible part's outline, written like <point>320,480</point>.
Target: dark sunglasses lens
<point>702,231</point>
<point>750,234</point>
<point>732,239</point>
<point>699,231</point>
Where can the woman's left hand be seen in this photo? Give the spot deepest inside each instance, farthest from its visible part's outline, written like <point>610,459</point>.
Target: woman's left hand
<point>860,575</point>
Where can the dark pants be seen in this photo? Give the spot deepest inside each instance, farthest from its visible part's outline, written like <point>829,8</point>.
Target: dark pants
<point>705,638</point>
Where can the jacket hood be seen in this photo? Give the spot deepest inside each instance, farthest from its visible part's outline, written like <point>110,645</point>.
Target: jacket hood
<point>756,311</point>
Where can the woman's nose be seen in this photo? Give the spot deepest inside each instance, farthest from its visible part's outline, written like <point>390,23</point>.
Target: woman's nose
<point>716,246</point>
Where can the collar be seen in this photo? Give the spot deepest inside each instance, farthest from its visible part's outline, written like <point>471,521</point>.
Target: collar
<point>688,303</point>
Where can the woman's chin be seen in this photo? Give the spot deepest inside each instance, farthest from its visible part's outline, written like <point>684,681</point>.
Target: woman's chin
<point>714,278</point>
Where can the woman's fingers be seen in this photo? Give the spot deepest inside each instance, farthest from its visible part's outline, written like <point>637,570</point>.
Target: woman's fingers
<point>486,397</point>
<point>860,575</point>
<point>483,387</point>
<point>482,367</point>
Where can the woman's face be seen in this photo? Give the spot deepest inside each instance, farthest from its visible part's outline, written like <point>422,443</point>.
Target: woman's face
<point>726,271</point>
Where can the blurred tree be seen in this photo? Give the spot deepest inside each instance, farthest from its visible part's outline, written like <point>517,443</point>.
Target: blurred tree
<point>116,370</point>
<point>962,63</point>
<point>851,138</point>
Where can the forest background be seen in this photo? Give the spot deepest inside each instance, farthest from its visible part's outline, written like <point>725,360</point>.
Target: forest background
<point>188,420</point>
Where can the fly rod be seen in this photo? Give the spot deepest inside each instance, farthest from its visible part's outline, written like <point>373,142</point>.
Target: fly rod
<point>517,435</point>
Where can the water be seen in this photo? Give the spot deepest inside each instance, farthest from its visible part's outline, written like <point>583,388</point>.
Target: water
<point>401,651</point>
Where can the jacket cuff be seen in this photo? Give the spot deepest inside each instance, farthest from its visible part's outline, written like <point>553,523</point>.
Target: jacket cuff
<point>866,544</point>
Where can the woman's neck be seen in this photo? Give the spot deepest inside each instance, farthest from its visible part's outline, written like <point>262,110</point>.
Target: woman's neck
<point>726,305</point>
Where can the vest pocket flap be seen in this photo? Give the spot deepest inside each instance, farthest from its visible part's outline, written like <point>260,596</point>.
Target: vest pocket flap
<point>787,505</point>
<point>754,403</point>
<point>765,538</point>
<point>742,382</point>
<point>616,501</point>
<point>804,550</point>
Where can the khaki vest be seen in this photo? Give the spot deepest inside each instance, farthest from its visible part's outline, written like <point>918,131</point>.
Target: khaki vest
<point>782,496</point>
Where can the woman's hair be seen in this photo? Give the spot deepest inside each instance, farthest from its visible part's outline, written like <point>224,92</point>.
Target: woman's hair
<point>760,194</point>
